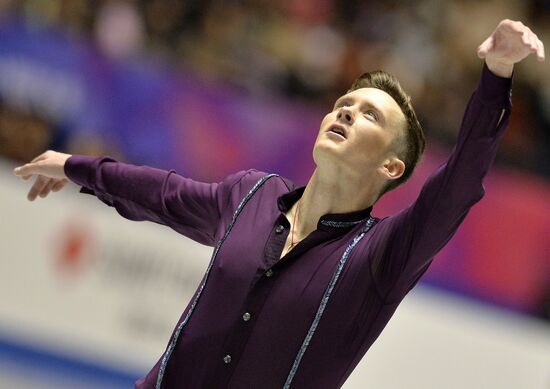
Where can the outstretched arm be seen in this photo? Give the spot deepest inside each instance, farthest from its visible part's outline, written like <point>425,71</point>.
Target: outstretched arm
<point>194,209</point>
<point>405,243</point>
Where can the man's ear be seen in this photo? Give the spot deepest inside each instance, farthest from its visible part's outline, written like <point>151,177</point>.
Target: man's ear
<point>392,169</point>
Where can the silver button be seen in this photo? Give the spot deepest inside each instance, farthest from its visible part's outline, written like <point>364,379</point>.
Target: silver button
<point>269,273</point>
<point>227,358</point>
<point>246,316</point>
<point>279,228</point>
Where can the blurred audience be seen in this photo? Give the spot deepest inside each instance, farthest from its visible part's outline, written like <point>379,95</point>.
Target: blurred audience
<point>312,50</point>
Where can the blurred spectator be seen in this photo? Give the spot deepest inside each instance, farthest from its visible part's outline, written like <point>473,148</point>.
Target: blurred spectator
<point>119,29</point>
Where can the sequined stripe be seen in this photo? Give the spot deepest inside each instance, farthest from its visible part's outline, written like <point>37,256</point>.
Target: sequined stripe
<point>325,299</point>
<point>332,223</point>
<point>220,242</point>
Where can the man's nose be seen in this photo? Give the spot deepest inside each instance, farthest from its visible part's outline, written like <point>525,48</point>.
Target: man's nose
<point>345,114</point>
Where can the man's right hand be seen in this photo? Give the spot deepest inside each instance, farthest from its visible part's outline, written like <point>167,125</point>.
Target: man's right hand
<point>50,173</point>
<point>509,43</point>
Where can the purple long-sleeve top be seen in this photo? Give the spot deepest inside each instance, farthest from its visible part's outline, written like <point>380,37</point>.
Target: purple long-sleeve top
<point>304,320</point>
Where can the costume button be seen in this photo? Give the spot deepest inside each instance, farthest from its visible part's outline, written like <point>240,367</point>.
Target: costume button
<point>269,273</point>
<point>246,316</point>
<point>280,228</point>
<point>227,358</point>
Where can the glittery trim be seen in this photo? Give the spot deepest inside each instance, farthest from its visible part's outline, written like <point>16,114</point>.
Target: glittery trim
<point>331,223</point>
<point>372,221</point>
<point>172,344</point>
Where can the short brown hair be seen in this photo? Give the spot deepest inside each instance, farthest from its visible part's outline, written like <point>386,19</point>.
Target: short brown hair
<point>409,149</point>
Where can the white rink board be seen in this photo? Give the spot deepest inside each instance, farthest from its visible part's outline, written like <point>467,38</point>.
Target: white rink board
<point>76,275</point>
<point>77,278</point>
<point>436,340</point>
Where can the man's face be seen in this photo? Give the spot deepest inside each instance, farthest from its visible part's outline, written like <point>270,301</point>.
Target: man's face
<point>370,119</point>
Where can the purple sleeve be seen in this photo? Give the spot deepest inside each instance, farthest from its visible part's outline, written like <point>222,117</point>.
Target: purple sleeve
<point>404,244</point>
<point>194,209</point>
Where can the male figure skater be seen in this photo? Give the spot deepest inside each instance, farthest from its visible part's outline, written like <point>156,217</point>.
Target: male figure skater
<point>303,280</point>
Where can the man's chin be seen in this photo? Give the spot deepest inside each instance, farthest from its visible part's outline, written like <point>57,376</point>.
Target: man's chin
<point>328,146</point>
<point>326,154</point>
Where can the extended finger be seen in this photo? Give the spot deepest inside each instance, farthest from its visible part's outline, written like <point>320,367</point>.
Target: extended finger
<point>485,47</point>
<point>28,169</point>
<point>533,40</point>
<point>44,192</point>
<point>526,39</point>
<point>512,26</point>
<point>540,51</point>
<point>21,172</point>
<point>60,184</point>
<point>38,186</point>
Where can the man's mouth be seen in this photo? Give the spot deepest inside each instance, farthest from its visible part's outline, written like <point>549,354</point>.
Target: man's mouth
<point>338,129</point>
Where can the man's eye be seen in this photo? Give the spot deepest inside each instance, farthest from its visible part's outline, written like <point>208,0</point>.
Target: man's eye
<point>372,113</point>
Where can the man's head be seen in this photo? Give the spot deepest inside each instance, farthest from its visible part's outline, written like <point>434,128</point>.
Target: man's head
<point>381,130</point>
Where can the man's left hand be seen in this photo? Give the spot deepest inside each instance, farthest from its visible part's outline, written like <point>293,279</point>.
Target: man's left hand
<point>510,43</point>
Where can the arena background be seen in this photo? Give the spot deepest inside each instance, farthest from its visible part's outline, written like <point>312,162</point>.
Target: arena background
<point>211,87</point>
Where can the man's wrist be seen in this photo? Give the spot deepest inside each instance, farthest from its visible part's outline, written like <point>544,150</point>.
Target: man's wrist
<point>494,91</point>
<point>500,69</point>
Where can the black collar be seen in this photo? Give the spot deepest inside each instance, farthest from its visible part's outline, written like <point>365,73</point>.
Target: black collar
<point>329,221</point>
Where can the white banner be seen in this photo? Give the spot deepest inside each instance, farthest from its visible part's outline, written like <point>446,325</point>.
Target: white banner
<point>77,276</point>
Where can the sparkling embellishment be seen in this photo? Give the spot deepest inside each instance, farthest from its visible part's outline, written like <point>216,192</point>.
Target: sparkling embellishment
<point>325,299</point>
<point>331,223</point>
<point>269,273</point>
<point>175,337</point>
<point>246,316</point>
<point>227,358</point>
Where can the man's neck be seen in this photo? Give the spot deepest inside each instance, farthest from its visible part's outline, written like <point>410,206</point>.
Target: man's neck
<point>324,193</point>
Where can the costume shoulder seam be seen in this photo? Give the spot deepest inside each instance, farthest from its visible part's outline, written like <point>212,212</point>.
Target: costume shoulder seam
<point>286,181</point>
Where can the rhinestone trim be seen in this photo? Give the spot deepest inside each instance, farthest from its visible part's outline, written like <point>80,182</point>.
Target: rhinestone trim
<point>331,223</point>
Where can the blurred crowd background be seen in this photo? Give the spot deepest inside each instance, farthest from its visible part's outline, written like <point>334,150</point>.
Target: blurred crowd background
<point>310,50</point>
<point>208,87</point>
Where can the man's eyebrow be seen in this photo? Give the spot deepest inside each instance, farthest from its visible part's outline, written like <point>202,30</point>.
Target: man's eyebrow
<point>341,99</point>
